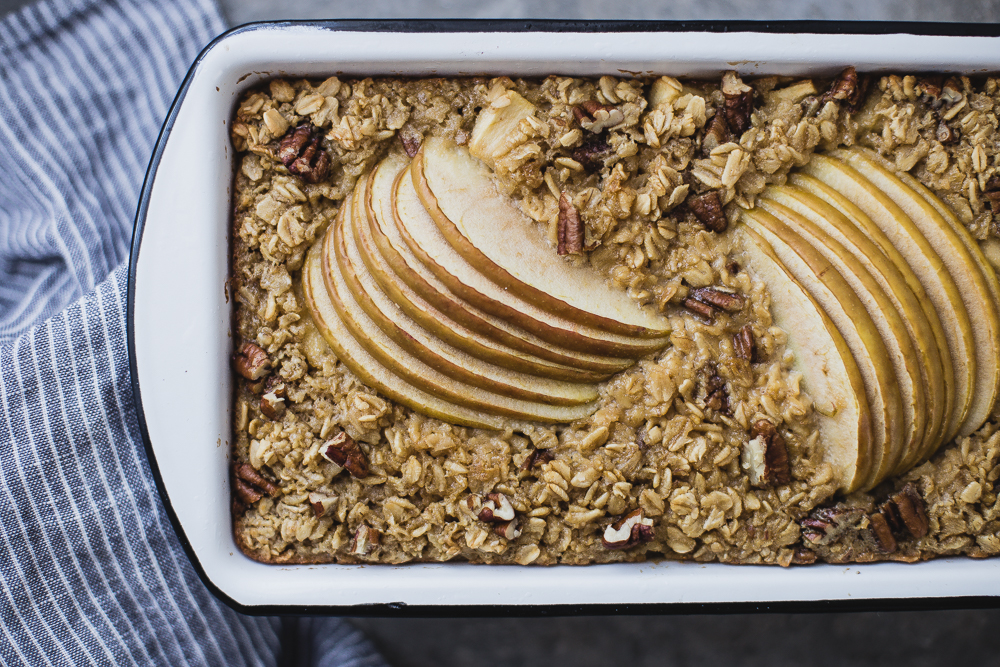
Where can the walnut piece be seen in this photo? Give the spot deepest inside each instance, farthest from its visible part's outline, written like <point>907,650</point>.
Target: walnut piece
<point>346,453</point>
<point>847,88</point>
<point>629,531</point>
<point>251,361</point>
<point>708,209</point>
<point>570,231</point>
<point>299,150</point>
<point>765,457</point>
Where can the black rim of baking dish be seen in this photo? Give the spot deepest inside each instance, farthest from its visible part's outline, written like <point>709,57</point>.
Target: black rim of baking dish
<point>516,26</point>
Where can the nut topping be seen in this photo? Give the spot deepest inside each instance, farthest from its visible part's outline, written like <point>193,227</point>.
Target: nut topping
<point>251,361</point>
<point>346,453</point>
<point>595,117</point>
<point>365,541</point>
<point>300,151</point>
<point>947,135</point>
<point>321,503</point>
<point>883,534</point>
<point>744,344</point>
<point>765,456</point>
<point>496,508</point>
<point>827,524</point>
<point>699,307</point>
<point>911,510</point>
<point>592,152</point>
<point>250,485</point>
<point>716,395</point>
<point>716,134</point>
<point>411,141</point>
<point>272,403</point>
<point>708,209</point>
<point>536,457</point>
<point>739,102</point>
<point>847,88</point>
<point>992,193</point>
<point>570,231</point>
<point>629,531</point>
<point>507,529</point>
<point>716,298</point>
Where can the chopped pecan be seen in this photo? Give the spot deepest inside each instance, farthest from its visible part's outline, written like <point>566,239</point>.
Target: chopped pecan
<point>992,193</point>
<point>321,503</point>
<point>848,88</point>
<point>247,473</point>
<point>251,361</point>
<point>716,394</point>
<point>951,92</point>
<point>247,493</point>
<point>765,456</point>
<point>716,134</point>
<point>882,532</point>
<point>947,135</point>
<point>365,540</point>
<point>628,531</point>
<point>346,453</point>
<point>708,209</point>
<point>300,151</point>
<point>911,509</point>
<point>272,403</point>
<point>595,117</point>
<point>507,529</point>
<point>411,141</point>
<point>592,152</point>
<point>744,344</point>
<point>496,508</point>
<point>699,307</point>
<point>536,457</point>
<point>739,102</point>
<point>733,267</point>
<point>827,524</point>
<point>929,89</point>
<point>727,301</point>
<point>570,230</point>
<point>803,556</point>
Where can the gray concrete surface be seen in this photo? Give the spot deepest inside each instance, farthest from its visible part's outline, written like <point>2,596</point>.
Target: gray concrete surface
<point>914,639</point>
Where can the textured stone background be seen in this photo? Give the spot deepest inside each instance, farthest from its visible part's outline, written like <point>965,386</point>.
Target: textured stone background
<point>915,639</point>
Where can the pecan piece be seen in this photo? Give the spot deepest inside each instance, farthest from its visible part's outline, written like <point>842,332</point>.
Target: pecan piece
<point>628,531</point>
<point>911,510</point>
<point>248,474</point>
<point>321,503</point>
<point>882,532</point>
<point>947,135</point>
<point>726,301</point>
<point>346,453</point>
<point>699,307</point>
<point>803,556</point>
<point>496,508</point>
<point>827,524</point>
<point>992,193</point>
<point>570,230</point>
<point>716,394</point>
<point>507,529</point>
<point>708,209</point>
<point>739,102</point>
<point>536,457</point>
<point>247,493</point>
<point>716,134</point>
<point>744,344</point>
<point>300,151</point>
<point>848,88</point>
<point>365,540</point>
<point>765,456</point>
<point>272,403</point>
<point>411,141</point>
<point>251,361</point>
<point>596,117</point>
<point>592,152</point>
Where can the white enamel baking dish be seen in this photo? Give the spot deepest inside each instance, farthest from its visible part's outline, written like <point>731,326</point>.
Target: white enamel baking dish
<point>179,311</point>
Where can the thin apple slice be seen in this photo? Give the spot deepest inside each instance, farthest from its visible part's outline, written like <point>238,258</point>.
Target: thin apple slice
<point>427,347</point>
<point>465,280</point>
<point>906,360</point>
<point>408,367</point>
<point>366,367</point>
<point>916,316</point>
<point>829,372</point>
<point>940,286</point>
<point>968,267</point>
<point>825,284</point>
<point>513,251</point>
<point>422,295</point>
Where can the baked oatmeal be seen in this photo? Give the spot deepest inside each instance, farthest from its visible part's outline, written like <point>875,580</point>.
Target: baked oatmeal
<point>705,444</point>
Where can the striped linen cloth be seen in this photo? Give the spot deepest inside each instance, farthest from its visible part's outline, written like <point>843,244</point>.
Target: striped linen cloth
<point>91,571</point>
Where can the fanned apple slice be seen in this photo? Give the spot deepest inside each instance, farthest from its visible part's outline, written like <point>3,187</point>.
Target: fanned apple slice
<point>842,305</point>
<point>427,347</point>
<point>422,296</point>
<point>415,372</point>
<point>465,280</point>
<point>366,367</point>
<point>966,264</point>
<point>829,373</point>
<point>915,316</point>
<point>907,362</point>
<point>510,249</point>
<point>926,264</point>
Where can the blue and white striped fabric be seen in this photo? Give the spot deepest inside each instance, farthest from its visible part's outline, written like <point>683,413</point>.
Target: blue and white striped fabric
<point>91,571</point>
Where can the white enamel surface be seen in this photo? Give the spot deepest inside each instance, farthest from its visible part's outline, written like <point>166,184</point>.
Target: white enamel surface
<point>181,314</point>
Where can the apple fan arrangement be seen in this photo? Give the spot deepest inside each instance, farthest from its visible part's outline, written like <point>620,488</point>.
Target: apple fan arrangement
<point>890,306</point>
<point>433,288</point>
